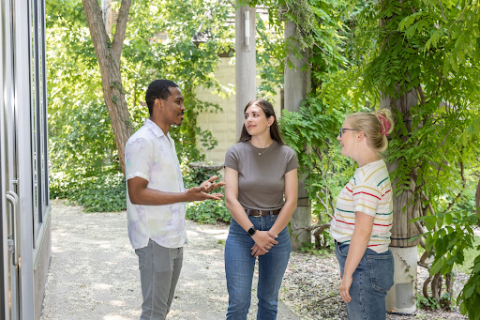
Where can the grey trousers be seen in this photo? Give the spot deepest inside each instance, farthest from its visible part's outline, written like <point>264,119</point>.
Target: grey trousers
<point>159,271</point>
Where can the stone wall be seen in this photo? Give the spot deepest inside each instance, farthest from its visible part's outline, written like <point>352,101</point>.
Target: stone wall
<point>222,123</point>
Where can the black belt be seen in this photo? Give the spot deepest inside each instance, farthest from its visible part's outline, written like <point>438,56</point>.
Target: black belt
<point>261,213</point>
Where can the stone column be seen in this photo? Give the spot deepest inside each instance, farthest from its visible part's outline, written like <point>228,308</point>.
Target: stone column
<point>297,84</point>
<point>245,62</point>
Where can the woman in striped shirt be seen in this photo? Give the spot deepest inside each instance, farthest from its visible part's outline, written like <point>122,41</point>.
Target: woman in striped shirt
<point>363,217</point>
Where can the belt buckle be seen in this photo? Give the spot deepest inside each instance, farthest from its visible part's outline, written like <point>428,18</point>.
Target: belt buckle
<point>257,213</point>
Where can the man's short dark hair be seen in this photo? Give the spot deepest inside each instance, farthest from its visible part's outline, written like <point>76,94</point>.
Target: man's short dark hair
<point>158,89</point>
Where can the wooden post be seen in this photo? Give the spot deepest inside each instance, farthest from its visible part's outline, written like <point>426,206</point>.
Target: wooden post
<point>297,84</point>
<point>245,62</point>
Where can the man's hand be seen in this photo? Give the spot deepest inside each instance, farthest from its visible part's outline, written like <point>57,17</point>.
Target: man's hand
<point>209,185</point>
<point>197,194</point>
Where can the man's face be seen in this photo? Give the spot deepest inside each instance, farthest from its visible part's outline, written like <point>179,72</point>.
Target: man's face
<point>172,108</point>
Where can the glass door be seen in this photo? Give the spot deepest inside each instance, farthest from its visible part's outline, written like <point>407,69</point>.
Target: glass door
<point>23,170</point>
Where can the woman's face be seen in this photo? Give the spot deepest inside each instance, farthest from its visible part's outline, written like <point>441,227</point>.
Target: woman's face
<point>256,121</point>
<point>347,139</point>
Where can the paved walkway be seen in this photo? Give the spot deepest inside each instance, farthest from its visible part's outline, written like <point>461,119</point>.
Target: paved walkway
<point>94,271</point>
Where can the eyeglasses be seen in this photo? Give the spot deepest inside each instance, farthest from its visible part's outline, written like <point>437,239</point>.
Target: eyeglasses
<point>342,131</point>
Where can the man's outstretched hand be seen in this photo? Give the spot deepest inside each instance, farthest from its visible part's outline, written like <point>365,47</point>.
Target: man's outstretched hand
<point>209,185</point>
<point>203,191</point>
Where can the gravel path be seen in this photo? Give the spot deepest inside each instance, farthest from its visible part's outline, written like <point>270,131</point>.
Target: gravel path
<point>94,271</point>
<point>311,284</point>
<point>94,275</point>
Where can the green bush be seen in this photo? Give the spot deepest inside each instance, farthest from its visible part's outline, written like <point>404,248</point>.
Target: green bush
<point>107,193</point>
<point>208,211</point>
<point>193,177</point>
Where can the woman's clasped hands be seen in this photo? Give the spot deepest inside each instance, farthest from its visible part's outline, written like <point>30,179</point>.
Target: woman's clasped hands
<point>264,241</point>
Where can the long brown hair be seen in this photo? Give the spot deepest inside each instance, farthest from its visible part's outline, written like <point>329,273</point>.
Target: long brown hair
<point>269,112</point>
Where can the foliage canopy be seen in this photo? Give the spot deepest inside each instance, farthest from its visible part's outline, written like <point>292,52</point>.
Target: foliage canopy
<point>158,44</point>
<point>419,58</point>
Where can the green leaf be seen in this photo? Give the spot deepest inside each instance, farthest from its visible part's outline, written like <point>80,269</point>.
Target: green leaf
<point>441,245</point>
<point>437,266</point>
<point>469,292</point>
<point>448,219</point>
<point>462,308</point>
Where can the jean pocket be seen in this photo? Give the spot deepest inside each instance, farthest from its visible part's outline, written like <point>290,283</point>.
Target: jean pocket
<point>342,249</point>
<point>381,271</point>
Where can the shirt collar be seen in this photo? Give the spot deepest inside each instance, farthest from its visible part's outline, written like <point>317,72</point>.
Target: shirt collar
<point>156,129</point>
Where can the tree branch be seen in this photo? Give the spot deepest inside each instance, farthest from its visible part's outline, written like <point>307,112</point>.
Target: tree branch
<point>93,14</point>
<point>425,286</point>
<point>420,229</point>
<point>443,12</point>
<point>120,29</point>
<point>461,14</point>
<point>309,229</point>
<point>325,206</point>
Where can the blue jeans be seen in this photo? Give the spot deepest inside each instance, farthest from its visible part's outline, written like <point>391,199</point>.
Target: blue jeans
<point>371,281</point>
<point>239,266</point>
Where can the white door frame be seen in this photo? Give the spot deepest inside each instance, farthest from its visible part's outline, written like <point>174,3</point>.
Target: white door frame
<point>22,91</point>
<point>4,312</point>
<point>16,114</point>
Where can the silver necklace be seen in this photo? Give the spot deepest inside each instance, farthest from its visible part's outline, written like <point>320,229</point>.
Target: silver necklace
<point>260,153</point>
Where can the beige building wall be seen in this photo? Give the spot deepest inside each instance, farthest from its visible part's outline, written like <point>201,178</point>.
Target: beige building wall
<point>222,123</point>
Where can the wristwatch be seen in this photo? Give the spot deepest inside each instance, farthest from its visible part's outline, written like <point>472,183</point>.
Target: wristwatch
<point>252,231</point>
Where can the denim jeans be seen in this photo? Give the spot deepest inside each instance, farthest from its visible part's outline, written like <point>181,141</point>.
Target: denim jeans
<point>371,281</point>
<point>239,266</point>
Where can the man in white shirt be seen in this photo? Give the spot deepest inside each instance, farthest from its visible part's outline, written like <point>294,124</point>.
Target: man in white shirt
<point>156,199</point>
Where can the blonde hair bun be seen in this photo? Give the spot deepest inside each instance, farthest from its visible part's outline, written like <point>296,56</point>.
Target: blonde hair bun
<point>376,125</point>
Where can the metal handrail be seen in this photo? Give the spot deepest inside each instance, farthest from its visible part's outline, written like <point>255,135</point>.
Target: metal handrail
<point>12,197</point>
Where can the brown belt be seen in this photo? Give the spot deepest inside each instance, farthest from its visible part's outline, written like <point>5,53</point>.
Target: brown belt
<point>259,213</point>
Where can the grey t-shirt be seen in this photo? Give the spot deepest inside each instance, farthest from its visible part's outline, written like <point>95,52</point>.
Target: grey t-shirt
<point>261,178</point>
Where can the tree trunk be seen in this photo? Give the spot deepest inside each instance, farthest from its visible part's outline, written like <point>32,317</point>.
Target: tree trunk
<point>108,55</point>
<point>405,206</point>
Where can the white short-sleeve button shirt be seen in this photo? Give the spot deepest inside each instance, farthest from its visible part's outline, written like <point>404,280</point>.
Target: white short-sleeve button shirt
<point>151,155</point>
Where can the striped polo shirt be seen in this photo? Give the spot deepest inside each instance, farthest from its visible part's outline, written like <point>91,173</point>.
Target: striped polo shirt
<point>370,192</point>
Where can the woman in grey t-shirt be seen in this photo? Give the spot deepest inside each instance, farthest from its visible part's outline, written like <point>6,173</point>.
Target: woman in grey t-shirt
<point>260,172</point>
